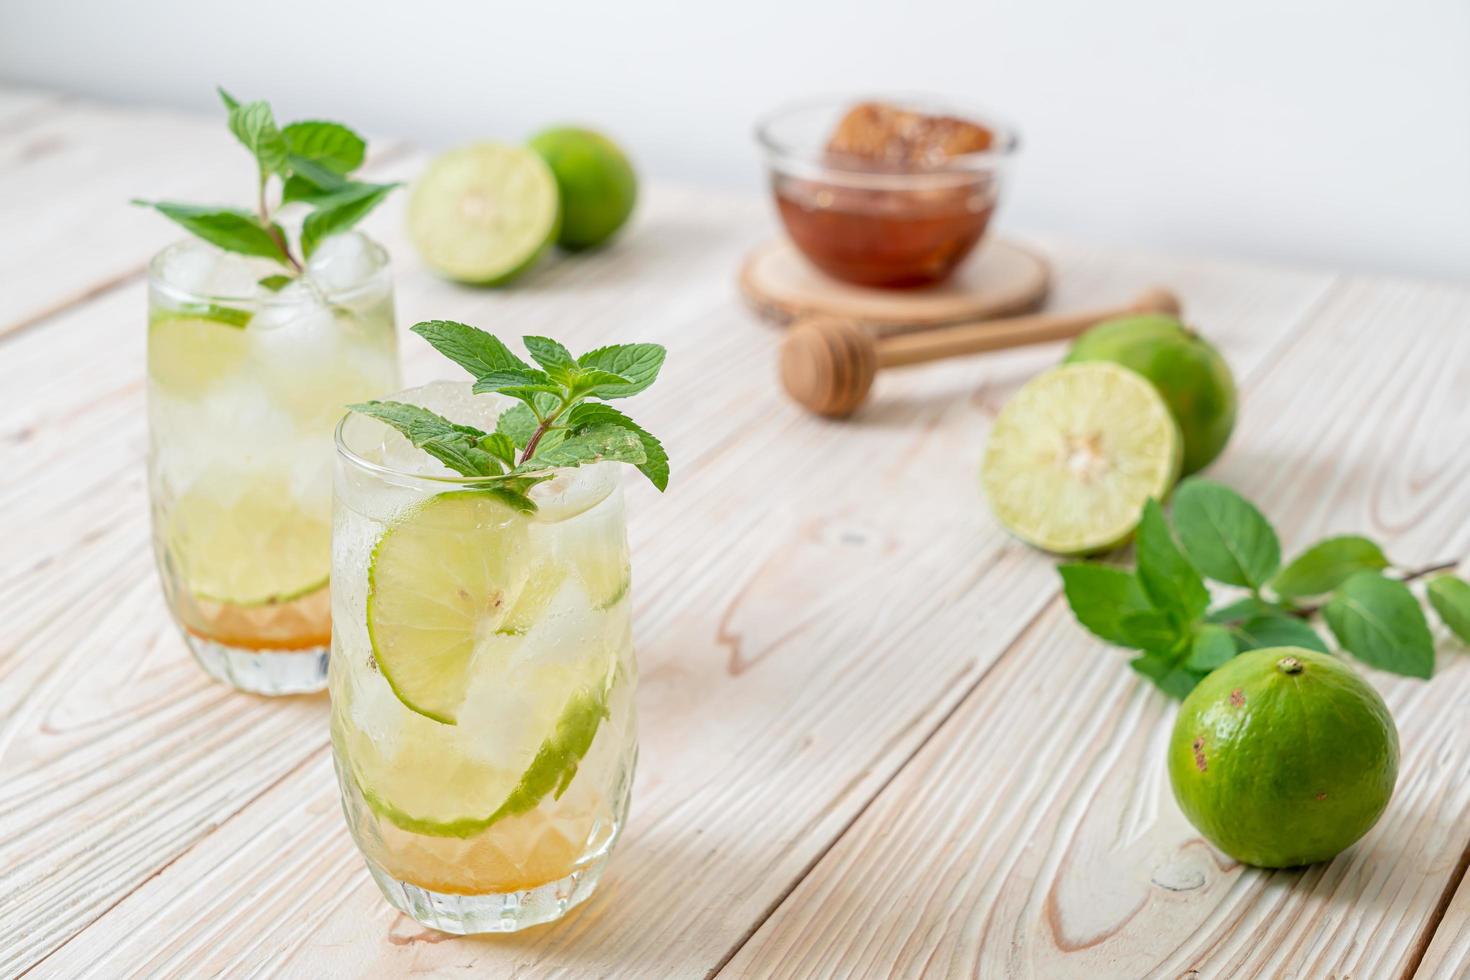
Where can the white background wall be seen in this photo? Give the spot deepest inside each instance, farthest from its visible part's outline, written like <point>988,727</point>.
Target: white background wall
<point>1324,132</point>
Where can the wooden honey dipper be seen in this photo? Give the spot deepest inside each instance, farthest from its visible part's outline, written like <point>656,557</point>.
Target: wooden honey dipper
<point>828,365</point>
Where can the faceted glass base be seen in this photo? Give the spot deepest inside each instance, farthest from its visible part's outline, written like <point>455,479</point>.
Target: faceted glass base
<point>262,671</point>
<point>466,915</point>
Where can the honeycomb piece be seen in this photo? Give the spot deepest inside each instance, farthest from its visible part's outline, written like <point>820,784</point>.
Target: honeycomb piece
<point>895,137</point>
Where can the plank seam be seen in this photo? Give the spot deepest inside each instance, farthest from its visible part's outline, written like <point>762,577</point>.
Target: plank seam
<point>1436,917</point>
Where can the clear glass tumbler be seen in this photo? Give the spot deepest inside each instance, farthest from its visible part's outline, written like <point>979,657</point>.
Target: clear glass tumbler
<point>245,387</point>
<point>482,677</point>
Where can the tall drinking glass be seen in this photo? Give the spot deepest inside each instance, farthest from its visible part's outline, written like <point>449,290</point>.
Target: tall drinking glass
<point>245,386</point>
<point>482,677</point>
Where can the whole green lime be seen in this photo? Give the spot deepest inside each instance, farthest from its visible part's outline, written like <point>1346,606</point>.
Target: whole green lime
<point>1190,373</point>
<point>597,184</point>
<point>1283,757</point>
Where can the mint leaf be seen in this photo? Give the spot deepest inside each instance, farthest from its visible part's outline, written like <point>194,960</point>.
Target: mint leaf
<point>1377,620</point>
<point>639,364</point>
<point>456,446</point>
<point>1169,677</point>
<point>1212,647</point>
<point>310,182</point>
<point>1100,596</point>
<point>1168,578</point>
<point>1224,535</point>
<point>597,383</point>
<point>255,127</point>
<point>473,349</point>
<point>231,229</point>
<point>1153,631</point>
<point>600,442</point>
<point>1275,629</point>
<point>327,144</point>
<point>229,100</point>
<point>340,211</point>
<point>655,463</point>
<point>519,423</point>
<point>552,356</point>
<point>493,381</point>
<point>1242,609</point>
<point>276,283</point>
<point>501,446</point>
<point>1450,597</point>
<point>1326,565</point>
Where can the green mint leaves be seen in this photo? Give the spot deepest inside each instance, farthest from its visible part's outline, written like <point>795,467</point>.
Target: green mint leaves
<point>555,426</point>
<point>313,162</point>
<point>1163,607</point>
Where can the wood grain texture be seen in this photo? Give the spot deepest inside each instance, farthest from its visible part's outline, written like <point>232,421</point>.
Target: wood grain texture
<point>1448,955</point>
<point>812,601</point>
<point>1036,835</point>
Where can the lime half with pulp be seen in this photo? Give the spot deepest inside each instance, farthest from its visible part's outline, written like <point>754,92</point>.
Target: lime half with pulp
<point>1075,454</point>
<point>484,213</point>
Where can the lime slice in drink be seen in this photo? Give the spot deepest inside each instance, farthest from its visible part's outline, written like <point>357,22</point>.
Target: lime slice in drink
<point>484,213</point>
<point>551,771</point>
<point>187,354</point>
<point>541,587</point>
<point>442,581</point>
<point>1075,454</point>
<point>250,547</point>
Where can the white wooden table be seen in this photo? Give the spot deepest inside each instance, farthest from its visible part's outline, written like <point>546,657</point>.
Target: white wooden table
<point>874,742</point>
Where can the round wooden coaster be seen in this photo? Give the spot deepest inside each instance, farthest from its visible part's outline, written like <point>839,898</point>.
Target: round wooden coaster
<point>1000,279</point>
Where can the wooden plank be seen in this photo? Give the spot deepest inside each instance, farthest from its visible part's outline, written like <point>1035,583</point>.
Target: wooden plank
<point>1448,956</point>
<point>69,168</point>
<point>1036,834</point>
<point>802,628</point>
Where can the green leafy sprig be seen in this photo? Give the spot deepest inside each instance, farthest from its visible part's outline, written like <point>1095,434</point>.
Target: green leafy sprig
<point>556,425</point>
<point>312,162</point>
<point>1163,608</point>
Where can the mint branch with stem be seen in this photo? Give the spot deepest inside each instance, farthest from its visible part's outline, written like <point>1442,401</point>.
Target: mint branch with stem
<point>1163,610</point>
<point>560,419</point>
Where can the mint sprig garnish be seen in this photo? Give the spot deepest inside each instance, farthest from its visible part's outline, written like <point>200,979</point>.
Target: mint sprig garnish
<point>555,426</point>
<point>312,162</point>
<point>1163,608</point>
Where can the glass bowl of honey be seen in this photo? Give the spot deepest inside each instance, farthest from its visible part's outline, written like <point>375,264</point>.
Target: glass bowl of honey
<point>892,192</point>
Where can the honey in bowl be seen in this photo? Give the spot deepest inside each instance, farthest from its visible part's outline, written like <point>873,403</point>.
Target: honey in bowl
<point>895,197</point>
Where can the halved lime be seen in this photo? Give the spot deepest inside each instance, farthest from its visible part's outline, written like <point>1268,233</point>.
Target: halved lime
<point>1075,454</point>
<point>484,213</point>
<point>187,354</point>
<point>249,547</point>
<point>442,580</point>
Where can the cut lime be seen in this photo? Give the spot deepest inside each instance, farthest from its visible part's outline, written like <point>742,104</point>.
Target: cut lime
<point>597,184</point>
<point>549,774</point>
<point>442,580</point>
<point>540,588</point>
<point>249,548</point>
<point>1075,454</point>
<point>484,213</point>
<point>187,354</point>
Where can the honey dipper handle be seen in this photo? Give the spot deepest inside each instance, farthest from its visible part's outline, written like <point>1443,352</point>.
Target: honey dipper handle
<point>973,338</point>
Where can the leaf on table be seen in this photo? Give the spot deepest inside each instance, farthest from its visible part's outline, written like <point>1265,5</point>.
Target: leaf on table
<point>1171,582</point>
<point>1450,597</point>
<point>1326,565</point>
<point>1224,535</point>
<point>1100,596</point>
<point>1377,620</point>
